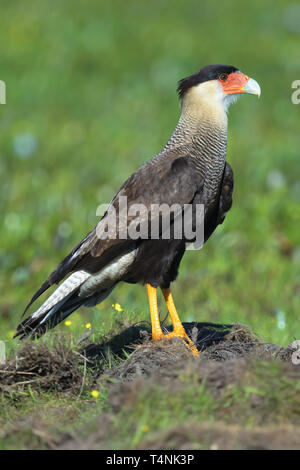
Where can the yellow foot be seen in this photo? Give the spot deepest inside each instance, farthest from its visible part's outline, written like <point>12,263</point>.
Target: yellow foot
<point>181,334</point>
<point>178,330</point>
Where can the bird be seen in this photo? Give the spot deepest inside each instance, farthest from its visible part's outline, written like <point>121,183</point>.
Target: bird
<point>190,171</point>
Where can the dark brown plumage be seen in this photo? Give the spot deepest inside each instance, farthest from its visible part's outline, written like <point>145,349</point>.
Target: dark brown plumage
<point>191,169</point>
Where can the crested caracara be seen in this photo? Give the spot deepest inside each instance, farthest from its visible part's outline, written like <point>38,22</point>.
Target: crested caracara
<point>189,171</point>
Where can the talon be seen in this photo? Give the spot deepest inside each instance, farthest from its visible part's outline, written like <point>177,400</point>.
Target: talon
<point>189,343</point>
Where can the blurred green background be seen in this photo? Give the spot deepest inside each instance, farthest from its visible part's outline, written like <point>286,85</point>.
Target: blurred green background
<point>91,94</point>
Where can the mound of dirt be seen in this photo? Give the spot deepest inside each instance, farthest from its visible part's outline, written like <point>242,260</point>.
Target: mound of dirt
<point>215,342</point>
<point>134,369</point>
<point>63,368</point>
<point>238,362</point>
<point>275,417</point>
<point>42,368</point>
<point>203,335</point>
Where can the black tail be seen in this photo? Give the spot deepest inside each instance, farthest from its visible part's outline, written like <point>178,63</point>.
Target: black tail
<point>35,327</point>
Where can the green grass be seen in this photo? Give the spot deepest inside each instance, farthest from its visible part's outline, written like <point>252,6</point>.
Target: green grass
<point>265,396</point>
<point>93,89</point>
<point>91,96</point>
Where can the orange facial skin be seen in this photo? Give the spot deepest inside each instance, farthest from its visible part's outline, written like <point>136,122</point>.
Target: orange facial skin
<point>233,83</point>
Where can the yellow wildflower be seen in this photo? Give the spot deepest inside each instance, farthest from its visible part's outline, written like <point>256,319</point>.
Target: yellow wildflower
<point>68,323</point>
<point>117,307</point>
<point>88,325</point>
<point>95,393</point>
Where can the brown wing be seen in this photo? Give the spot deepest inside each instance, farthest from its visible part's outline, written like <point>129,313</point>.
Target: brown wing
<point>225,202</point>
<point>226,193</point>
<point>168,178</point>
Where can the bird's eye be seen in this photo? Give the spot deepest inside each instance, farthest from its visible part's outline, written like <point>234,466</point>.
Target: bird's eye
<point>223,77</point>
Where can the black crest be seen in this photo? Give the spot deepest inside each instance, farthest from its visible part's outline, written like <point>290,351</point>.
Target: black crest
<point>210,72</point>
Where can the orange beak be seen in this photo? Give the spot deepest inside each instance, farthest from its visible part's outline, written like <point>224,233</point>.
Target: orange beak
<point>238,82</point>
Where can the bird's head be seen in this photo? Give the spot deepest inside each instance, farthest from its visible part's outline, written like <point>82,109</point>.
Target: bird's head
<point>216,86</point>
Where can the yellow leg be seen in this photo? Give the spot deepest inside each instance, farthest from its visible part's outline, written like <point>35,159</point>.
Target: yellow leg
<point>178,330</point>
<point>154,315</point>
